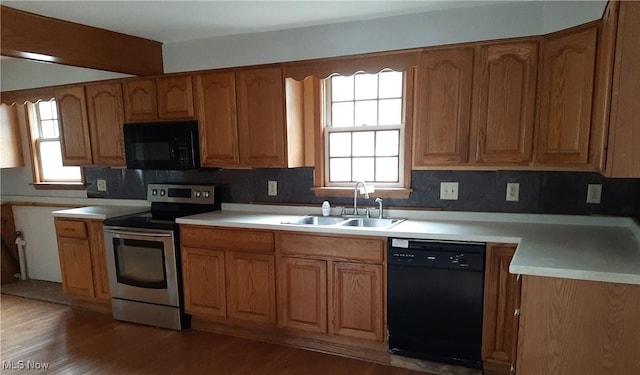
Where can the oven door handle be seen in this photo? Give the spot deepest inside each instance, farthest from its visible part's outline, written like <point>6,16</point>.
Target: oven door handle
<point>132,233</point>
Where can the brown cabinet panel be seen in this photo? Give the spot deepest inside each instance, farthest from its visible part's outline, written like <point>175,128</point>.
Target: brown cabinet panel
<point>106,118</point>
<point>74,126</point>
<point>302,294</point>
<point>500,321</point>
<point>71,228</point>
<point>566,92</point>
<point>505,103</point>
<point>227,239</point>
<point>76,267</point>
<point>99,261</point>
<point>441,131</point>
<point>140,100</point>
<point>217,114</point>
<point>10,144</point>
<point>357,309</point>
<point>204,282</point>
<point>251,288</point>
<point>261,122</point>
<point>333,247</point>
<point>175,97</point>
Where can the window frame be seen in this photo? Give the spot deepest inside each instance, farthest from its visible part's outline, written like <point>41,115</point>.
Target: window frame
<point>34,132</point>
<point>320,186</point>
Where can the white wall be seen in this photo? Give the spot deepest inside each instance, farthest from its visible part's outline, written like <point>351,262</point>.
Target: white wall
<point>441,27</point>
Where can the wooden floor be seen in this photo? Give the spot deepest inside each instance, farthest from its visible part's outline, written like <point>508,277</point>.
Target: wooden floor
<point>74,341</point>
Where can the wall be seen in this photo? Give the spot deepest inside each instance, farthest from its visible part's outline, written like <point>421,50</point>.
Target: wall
<point>482,191</point>
<point>487,22</point>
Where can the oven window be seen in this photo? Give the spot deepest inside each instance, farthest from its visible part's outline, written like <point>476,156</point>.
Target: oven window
<point>140,263</point>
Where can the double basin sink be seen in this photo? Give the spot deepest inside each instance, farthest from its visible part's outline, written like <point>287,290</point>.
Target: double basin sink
<point>345,221</point>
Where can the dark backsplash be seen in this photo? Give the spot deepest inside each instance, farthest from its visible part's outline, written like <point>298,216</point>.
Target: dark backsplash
<point>482,191</point>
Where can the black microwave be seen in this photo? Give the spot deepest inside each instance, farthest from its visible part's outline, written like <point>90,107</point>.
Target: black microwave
<point>162,145</point>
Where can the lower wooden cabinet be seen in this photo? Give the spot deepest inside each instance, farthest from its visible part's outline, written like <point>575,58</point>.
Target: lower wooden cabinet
<point>83,260</point>
<point>204,280</point>
<point>251,287</point>
<point>501,311</point>
<point>302,294</point>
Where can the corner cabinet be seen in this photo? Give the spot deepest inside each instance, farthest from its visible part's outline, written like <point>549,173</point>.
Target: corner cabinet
<point>83,261</point>
<point>443,106</point>
<point>501,311</point>
<point>504,97</point>
<point>164,98</point>
<point>567,73</point>
<point>74,126</point>
<point>106,118</point>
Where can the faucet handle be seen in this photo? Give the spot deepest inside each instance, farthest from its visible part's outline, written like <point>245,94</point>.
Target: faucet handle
<point>368,212</point>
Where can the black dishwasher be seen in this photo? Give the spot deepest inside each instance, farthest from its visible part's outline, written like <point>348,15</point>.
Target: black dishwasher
<point>434,300</point>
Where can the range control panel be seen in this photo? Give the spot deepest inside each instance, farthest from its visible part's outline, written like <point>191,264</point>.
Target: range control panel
<point>198,194</point>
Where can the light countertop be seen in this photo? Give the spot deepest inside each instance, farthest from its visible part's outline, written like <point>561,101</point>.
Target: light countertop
<point>98,212</point>
<point>574,247</point>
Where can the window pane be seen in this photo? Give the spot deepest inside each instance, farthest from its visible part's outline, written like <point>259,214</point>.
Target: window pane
<point>49,128</point>
<point>387,169</point>
<point>363,143</point>
<point>51,163</point>
<point>340,169</point>
<point>391,112</point>
<point>341,88</point>
<point>366,113</point>
<point>342,114</point>
<point>390,85</point>
<point>363,169</point>
<point>388,143</point>
<point>339,144</point>
<point>366,86</point>
<point>45,109</point>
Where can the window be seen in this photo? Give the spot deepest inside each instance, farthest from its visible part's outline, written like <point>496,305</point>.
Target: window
<point>364,129</point>
<point>47,151</point>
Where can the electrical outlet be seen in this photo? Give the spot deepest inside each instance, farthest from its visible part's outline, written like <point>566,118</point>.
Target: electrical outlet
<point>102,184</point>
<point>273,188</point>
<point>449,191</point>
<point>594,193</point>
<point>513,192</point>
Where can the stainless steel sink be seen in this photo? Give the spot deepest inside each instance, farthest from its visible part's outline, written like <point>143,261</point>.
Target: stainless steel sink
<point>316,220</point>
<point>371,222</point>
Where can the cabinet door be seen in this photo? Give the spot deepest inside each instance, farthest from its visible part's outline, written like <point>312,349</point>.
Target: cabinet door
<point>566,92</point>
<point>106,118</point>
<point>357,295</point>
<point>302,294</point>
<point>76,267</point>
<point>204,282</point>
<point>140,100</point>
<point>10,144</point>
<point>251,289</point>
<point>501,302</point>
<point>505,96</point>
<point>441,132</point>
<point>261,125</point>
<point>175,97</point>
<point>74,126</point>
<point>216,108</point>
<point>98,261</point>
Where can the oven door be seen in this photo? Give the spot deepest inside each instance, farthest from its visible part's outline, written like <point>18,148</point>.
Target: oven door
<point>142,265</point>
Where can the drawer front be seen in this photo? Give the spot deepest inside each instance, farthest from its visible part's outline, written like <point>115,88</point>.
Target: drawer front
<point>333,247</point>
<point>71,228</point>
<point>226,239</point>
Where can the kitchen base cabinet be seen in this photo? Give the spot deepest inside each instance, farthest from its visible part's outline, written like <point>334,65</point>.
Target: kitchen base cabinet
<point>204,282</point>
<point>251,289</point>
<point>83,260</point>
<point>501,311</point>
<point>577,327</point>
<point>302,293</point>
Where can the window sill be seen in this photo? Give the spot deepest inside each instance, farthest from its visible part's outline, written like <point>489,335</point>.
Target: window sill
<point>347,192</point>
<point>59,185</point>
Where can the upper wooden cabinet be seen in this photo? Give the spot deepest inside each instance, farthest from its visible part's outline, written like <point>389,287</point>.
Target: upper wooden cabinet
<point>106,119</point>
<point>10,144</point>
<point>217,117</point>
<point>623,157</point>
<point>567,72</point>
<point>504,97</point>
<point>74,126</point>
<point>163,98</point>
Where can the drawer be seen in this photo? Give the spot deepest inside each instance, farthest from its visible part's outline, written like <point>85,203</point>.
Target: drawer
<point>332,247</point>
<point>226,239</point>
<point>71,228</point>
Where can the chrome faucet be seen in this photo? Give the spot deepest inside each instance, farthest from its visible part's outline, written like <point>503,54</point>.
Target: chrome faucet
<point>379,202</point>
<point>355,195</point>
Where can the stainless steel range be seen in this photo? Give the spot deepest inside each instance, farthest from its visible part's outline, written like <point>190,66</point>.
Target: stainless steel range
<point>143,255</point>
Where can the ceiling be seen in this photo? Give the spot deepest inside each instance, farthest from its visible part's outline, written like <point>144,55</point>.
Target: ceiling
<point>177,21</point>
